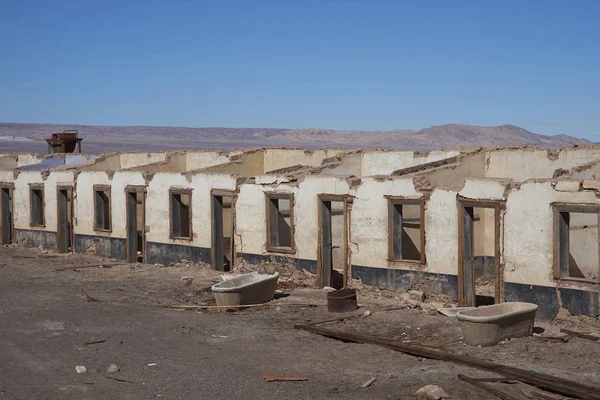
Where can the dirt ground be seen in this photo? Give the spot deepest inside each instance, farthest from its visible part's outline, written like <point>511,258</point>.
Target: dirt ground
<point>49,327</point>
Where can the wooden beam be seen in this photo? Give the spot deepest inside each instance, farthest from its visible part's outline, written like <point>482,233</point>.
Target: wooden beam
<point>496,392</point>
<point>553,383</point>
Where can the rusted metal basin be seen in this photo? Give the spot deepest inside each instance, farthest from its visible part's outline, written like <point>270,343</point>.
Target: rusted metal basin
<point>342,300</point>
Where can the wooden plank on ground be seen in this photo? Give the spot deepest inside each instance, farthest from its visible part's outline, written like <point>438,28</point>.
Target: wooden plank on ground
<point>553,383</point>
<point>496,392</point>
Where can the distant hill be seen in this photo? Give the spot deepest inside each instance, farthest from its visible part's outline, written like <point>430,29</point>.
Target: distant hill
<point>154,138</point>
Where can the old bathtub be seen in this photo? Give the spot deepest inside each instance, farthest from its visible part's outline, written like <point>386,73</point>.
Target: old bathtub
<point>252,288</point>
<point>488,325</point>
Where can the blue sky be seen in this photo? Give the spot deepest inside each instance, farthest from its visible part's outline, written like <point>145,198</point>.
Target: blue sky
<point>300,64</point>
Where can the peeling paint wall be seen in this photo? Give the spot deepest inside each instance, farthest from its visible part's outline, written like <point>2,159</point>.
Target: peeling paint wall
<point>528,231</point>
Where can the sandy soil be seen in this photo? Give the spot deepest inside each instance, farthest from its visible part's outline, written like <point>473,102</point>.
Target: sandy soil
<point>49,326</point>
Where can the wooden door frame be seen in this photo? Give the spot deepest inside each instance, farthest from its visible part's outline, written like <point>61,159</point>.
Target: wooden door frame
<point>347,200</point>
<point>135,189</point>
<point>11,193</point>
<point>222,193</point>
<point>69,189</point>
<point>498,206</point>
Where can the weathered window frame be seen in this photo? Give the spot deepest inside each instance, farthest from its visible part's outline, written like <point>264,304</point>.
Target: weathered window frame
<point>396,200</point>
<point>40,187</point>
<point>559,238</point>
<point>276,196</point>
<point>180,191</point>
<point>107,191</point>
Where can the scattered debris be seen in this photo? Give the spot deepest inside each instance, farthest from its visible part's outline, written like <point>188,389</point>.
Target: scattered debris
<point>433,392</point>
<point>80,369</point>
<point>563,339</point>
<point>496,392</point>
<point>188,279</point>
<point>113,368</point>
<point>103,265</point>
<point>368,383</point>
<point>90,298</point>
<point>582,335</point>
<point>534,378</point>
<point>282,378</point>
<point>152,364</point>
<point>328,289</point>
<point>367,313</point>
<point>95,342</point>
<point>118,379</point>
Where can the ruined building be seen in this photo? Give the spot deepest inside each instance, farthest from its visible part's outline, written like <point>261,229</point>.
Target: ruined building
<point>480,225</point>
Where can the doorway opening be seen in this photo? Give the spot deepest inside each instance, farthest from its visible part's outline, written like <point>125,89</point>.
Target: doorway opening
<point>6,200</point>
<point>136,222</point>
<point>479,274</point>
<point>222,225</point>
<point>332,254</point>
<point>64,197</point>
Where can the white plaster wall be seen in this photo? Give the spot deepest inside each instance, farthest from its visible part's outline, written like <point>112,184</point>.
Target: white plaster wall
<point>369,222</point>
<point>483,189</point>
<point>204,159</point>
<point>251,215</point>
<point>84,203</point>
<point>118,183</point>
<point>441,230</point>
<point>157,205</point>
<point>21,200</point>
<point>528,164</point>
<point>528,231</point>
<point>7,176</point>
<point>129,160</point>
<point>251,230</point>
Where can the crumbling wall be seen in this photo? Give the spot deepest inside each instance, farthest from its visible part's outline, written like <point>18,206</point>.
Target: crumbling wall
<point>25,159</point>
<point>130,160</point>
<point>523,164</point>
<point>471,166</point>
<point>8,162</point>
<point>203,159</point>
<point>275,159</point>
<point>350,165</point>
<point>386,162</point>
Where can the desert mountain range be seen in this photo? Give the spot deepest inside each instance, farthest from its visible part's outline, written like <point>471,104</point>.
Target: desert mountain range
<point>29,137</point>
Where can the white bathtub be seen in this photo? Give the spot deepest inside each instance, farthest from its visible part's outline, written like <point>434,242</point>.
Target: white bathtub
<point>252,288</point>
<point>488,325</point>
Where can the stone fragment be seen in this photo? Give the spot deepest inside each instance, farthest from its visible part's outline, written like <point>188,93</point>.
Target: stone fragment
<point>80,369</point>
<point>113,368</point>
<point>433,392</point>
